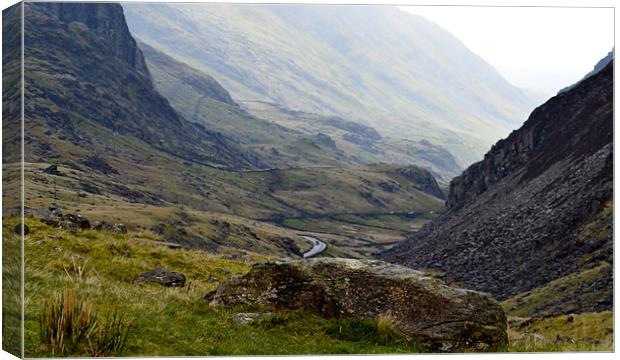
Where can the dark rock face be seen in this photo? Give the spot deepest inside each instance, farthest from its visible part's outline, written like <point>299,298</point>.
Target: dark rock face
<point>161,276</point>
<point>445,318</point>
<point>358,133</point>
<point>97,163</point>
<point>518,218</point>
<point>423,179</point>
<point>325,141</point>
<point>107,21</point>
<point>84,66</point>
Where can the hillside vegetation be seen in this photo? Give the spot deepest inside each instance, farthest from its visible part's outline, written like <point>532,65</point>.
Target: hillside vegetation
<point>161,321</point>
<point>170,321</point>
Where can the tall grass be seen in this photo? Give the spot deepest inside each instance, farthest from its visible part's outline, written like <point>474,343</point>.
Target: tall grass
<point>69,325</point>
<point>66,321</point>
<point>111,337</point>
<point>387,327</point>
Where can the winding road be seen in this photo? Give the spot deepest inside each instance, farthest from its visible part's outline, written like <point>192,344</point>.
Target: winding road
<point>317,248</point>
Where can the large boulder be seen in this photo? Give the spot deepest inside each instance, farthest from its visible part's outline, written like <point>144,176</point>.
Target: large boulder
<point>444,318</point>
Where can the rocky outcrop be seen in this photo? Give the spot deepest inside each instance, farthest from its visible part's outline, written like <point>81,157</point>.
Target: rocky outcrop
<point>423,179</point>
<point>83,66</point>
<point>518,219</point>
<point>106,21</point>
<point>423,307</point>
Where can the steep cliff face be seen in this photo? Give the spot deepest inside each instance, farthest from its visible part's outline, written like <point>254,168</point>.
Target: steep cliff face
<point>569,125</point>
<point>88,91</point>
<point>107,22</point>
<point>537,208</point>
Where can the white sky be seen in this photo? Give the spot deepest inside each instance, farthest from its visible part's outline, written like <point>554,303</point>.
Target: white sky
<point>541,49</point>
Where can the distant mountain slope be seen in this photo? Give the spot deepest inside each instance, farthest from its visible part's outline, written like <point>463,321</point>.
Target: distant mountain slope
<point>284,138</point>
<point>376,65</point>
<point>88,89</point>
<point>539,207</point>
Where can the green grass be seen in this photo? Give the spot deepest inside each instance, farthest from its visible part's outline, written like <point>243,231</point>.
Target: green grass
<point>585,332</point>
<point>171,321</point>
<point>177,321</point>
<point>11,290</point>
<point>530,303</point>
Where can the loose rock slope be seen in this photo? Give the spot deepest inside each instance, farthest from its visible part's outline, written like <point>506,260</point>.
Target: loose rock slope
<point>537,208</point>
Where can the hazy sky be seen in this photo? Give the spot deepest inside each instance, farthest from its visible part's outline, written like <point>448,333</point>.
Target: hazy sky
<point>542,49</point>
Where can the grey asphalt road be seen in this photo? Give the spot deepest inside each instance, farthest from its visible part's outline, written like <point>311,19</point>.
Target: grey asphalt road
<point>317,248</point>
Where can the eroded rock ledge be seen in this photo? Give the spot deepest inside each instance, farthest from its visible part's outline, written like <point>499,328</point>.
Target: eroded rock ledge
<point>444,318</point>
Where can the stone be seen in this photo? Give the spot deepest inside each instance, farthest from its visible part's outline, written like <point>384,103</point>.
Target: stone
<point>442,317</point>
<point>79,220</point>
<point>162,277</point>
<point>97,225</point>
<point>53,170</point>
<point>248,318</point>
<point>116,228</point>
<point>69,226</point>
<point>18,229</point>
<point>559,338</point>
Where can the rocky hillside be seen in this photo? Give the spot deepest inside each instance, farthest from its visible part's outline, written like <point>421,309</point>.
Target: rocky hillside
<point>376,65</point>
<point>88,90</point>
<point>536,209</point>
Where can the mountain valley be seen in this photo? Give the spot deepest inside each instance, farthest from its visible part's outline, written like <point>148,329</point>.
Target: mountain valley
<point>205,143</point>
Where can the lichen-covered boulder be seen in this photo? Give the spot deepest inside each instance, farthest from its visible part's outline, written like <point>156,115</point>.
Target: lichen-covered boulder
<point>445,318</point>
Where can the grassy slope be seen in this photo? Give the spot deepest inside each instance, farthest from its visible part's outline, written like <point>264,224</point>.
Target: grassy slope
<point>169,321</point>
<point>574,332</point>
<point>210,198</point>
<point>176,321</point>
<point>547,297</point>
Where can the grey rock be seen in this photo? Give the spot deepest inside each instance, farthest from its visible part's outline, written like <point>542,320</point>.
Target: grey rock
<point>539,194</point>
<point>161,276</point>
<point>248,318</point>
<point>424,308</point>
<point>69,226</point>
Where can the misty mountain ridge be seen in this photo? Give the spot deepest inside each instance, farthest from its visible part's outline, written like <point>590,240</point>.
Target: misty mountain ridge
<point>375,65</point>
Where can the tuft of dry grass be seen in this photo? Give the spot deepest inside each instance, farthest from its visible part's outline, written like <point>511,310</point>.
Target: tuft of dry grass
<point>66,320</point>
<point>387,327</point>
<point>69,325</point>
